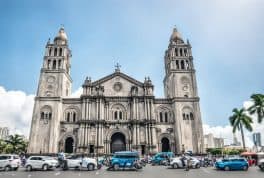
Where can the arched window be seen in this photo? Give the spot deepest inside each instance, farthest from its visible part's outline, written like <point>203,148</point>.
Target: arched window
<point>187,116</point>
<point>59,64</point>
<point>60,53</point>
<point>115,115</point>
<point>180,51</point>
<point>120,115</point>
<point>74,117</point>
<point>68,117</point>
<point>161,117</point>
<point>48,64</point>
<point>54,64</point>
<point>166,117</point>
<point>185,52</point>
<point>177,64</point>
<point>50,52</point>
<point>50,115</point>
<point>42,115</point>
<point>183,116</point>
<point>191,116</point>
<point>176,51</point>
<point>182,65</point>
<point>187,64</point>
<point>55,52</point>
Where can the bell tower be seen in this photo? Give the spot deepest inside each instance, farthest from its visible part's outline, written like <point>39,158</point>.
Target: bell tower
<point>54,84</point>
<point>180,86</point>
<point>55,80</point>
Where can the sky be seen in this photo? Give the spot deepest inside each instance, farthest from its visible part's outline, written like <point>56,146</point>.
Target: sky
<point>226,38</point>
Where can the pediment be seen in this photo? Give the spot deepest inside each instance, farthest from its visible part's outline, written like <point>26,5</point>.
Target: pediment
<point>119,84</point>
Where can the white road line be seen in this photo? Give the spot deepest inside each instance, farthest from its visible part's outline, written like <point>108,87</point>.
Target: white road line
<point>206,171</point>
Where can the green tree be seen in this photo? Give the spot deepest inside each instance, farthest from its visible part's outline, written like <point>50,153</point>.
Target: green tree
<point>257,107</point>
<point>238,120</point>
<point>16,144</point>
<point>2,145</point>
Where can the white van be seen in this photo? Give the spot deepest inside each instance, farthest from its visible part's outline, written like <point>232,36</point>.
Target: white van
<point>9,162</point>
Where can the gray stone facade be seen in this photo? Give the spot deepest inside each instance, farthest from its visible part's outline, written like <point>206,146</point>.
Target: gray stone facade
<point>116,112</point>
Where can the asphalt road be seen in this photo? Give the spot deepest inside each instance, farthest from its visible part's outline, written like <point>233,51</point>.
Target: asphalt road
<point>147,172</point>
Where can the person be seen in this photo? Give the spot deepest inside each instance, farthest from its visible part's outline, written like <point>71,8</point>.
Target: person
<point>61,157</point>
<point>188,161</point>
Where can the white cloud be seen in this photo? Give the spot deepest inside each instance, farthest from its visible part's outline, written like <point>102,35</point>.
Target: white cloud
<point>16,111</point>
<point>77,93</point>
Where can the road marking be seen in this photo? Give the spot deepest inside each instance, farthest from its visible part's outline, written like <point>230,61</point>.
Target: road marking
<point>97,173</point>
<point>57,173</point>
<point>29,175</point>
<point>206,171</point>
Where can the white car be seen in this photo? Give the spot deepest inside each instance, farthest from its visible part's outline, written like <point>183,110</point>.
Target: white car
<point>9,162</point>
<point>41,162</point>
<point>78,162</point>
<point>261,164</point>
<point>177,162</point>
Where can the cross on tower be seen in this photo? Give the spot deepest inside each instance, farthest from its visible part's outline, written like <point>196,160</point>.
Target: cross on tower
<point>117,67</point>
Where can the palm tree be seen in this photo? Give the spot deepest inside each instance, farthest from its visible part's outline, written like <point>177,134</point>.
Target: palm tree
<point>257,107</point>
<point>239,120</point>
<point>17,143</point>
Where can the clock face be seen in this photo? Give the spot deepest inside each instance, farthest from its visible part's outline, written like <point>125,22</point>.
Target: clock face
<point>51,79</point>
<point>185,88</point>
<point>117,86</point>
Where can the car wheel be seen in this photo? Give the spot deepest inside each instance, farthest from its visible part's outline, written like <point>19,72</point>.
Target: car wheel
<point>15,169</point>
<point>227,168</point>
<point>29,168</point>
<point>116,167</point>
<point>7,168</point>
<point>261,167</point>
<point>90,167</point>
<point>197,166</point>
<point>175,166</point>
<point>45,167</point>
<point>245,168</point>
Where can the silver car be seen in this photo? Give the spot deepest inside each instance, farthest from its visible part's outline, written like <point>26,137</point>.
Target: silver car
<point>178,162</point>
<point>41,162</point>
<point>9,162</point>
<point>261,164</point>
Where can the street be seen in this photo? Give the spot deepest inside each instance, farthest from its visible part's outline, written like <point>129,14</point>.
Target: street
<point>147,172</point>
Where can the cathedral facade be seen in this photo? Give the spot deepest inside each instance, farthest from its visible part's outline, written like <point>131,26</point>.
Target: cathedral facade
<point>116,112</point>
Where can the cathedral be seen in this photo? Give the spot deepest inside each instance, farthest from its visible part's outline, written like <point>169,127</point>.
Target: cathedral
<point>116,112</point>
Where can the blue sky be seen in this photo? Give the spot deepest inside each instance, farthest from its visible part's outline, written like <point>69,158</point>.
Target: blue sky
<point>226,36</point>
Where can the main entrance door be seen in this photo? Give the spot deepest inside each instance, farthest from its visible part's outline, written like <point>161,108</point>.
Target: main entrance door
<point>69,145</point>
<point>118,142</point>
<point>165,144</point>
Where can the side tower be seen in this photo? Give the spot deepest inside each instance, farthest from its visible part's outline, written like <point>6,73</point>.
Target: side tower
<point>181,88</point>
<point>54,84</point>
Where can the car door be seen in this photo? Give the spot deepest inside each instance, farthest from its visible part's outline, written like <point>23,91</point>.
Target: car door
<point>2,161</point>
<point>39,162</point>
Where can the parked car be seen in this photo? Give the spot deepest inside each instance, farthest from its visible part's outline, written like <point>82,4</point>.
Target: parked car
<point>125,159</point>
<point>161,158</point>
<point>180,162</point>
<point>79,162</point>
<point>9,162</point>
<point>232,164</point>
<point>41,162</point>
<point>261,164</point>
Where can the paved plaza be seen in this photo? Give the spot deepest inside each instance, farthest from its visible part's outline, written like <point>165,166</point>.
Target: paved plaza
<point>147,172</point>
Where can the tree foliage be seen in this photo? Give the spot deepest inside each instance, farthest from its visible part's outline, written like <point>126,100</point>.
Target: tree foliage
<point>14,144</point>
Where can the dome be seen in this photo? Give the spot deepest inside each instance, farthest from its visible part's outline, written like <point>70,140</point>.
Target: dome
<point>61,35</point>
<point>175,36</point>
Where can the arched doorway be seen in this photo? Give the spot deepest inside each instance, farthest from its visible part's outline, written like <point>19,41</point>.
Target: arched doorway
<point>118,142</point>
<point>69,145</point>
<point>165,144</point>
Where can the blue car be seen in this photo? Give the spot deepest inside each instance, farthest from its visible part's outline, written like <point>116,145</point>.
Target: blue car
<point>161,157</point>
<point>125,159</point>
<point>228,164</point>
